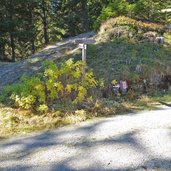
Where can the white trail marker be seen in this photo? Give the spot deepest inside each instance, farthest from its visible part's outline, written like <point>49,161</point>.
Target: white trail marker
<point>82,44</point>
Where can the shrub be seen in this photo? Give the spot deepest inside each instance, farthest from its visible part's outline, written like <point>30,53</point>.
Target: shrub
<point>65,84</point>
<point>137,25</point>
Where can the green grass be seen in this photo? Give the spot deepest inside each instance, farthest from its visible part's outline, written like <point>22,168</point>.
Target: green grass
<point>163,97</point>
<point>118,59</point>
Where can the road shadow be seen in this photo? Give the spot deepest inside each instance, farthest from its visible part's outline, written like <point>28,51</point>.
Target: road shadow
<point>165,104</point>
<point>80,139</point>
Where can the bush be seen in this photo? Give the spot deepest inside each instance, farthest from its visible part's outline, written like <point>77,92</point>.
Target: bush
<point>55,85</point>
<point>122,32</point>
<point>134,24</point>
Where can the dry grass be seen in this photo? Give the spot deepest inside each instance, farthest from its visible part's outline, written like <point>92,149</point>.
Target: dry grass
<point>128,21</point>
<point>15,121</point>
<point>19,122</point>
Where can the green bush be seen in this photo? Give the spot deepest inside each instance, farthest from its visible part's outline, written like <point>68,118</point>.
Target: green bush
<point>55,85</point>
<point>114,9</point>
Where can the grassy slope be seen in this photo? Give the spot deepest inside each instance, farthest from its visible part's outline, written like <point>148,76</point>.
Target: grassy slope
<point>119,58</point>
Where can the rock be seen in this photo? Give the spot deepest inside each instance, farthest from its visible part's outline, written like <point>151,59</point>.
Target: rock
<point>139,68</point>
<point>151,36</point>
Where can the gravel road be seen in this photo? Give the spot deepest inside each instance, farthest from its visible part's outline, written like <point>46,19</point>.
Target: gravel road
<point>137,141</point>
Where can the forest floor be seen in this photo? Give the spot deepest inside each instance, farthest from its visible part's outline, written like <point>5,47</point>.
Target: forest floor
<point>137,141</point>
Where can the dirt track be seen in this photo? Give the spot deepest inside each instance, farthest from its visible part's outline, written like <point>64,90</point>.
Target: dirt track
<point>11,72</point>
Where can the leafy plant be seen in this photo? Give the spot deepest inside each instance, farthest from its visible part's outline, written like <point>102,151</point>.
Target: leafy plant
<point>64,84</point>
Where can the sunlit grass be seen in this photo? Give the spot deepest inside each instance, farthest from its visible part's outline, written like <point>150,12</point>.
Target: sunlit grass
<point>164,98</point>
<point>19,122</point>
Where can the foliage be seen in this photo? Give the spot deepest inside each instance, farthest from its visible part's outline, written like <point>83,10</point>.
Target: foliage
<point>148,10</point>
<point>26,26</point>
<point>126,21</point>
<point>56,85</point>
<point>114,9</point>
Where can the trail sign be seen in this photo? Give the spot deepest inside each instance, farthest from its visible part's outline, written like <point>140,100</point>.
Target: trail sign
<point>82,44</point>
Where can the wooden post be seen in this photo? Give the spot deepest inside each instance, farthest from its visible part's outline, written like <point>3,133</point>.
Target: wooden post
<point>84,55</point>
<point>83,45</point>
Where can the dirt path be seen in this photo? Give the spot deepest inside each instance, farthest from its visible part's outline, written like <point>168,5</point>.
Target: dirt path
<point>139,141</point>
<point>11,72</point>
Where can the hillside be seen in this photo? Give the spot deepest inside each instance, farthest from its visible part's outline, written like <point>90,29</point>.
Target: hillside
<point>127,49</point>
<point>12,72</point>
<point>122,46</point>
<point>115,55</point>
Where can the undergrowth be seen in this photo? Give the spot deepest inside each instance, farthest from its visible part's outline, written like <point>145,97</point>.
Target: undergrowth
<point>19,122</point>
<point>67,85</point>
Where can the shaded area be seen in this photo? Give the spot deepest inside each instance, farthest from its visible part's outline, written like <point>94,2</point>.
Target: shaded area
<point>78,146</point>
<point>165,104</point>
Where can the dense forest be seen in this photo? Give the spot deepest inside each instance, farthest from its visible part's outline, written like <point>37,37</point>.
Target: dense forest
<point>26,26</point>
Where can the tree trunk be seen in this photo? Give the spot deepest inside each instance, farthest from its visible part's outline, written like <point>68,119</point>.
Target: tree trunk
<point>45,23</point>
<point>85,16</point>
<point>1,53</point>
<point>31,22</point>
<point>33,47</point>
<point>12,47</point>
<point>45,28</point>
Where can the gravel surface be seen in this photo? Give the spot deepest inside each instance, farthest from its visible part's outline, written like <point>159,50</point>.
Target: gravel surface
<point>137,141</point>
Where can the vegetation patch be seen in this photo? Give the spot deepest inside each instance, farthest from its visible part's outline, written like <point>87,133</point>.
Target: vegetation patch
<point>138,25</point>
<point>69,92</point>
<point>67,84</point>
<point>14,121</point>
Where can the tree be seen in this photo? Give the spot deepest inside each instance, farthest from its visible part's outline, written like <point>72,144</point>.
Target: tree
<point>44,5</point>
<point>148,10</point>
<point>151,9</point>
<point>78,16</point>
<point>2,34</point>
<point>18,30</point>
